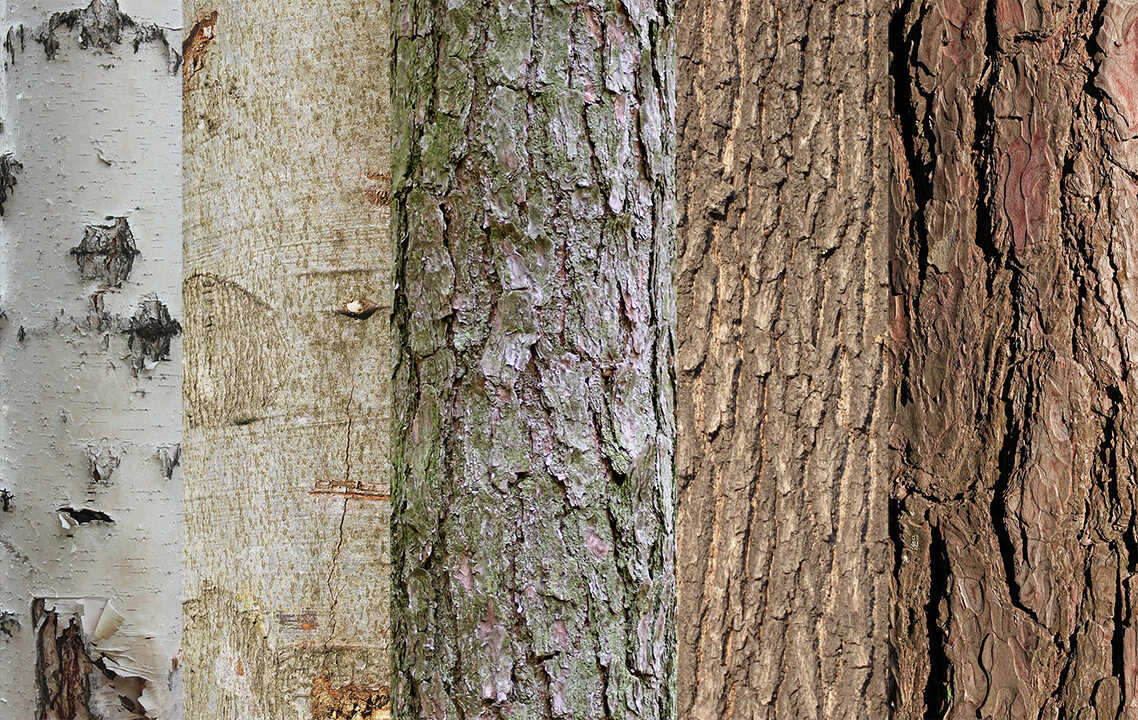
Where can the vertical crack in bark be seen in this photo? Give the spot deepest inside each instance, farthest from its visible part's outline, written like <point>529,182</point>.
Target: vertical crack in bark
<point>938,690</point>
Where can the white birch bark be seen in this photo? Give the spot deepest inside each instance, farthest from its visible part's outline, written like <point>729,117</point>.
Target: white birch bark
<point>287,291</point>
<point>89,408</point>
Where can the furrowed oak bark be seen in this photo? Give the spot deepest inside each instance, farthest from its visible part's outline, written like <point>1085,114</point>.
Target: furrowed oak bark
<point>534,501</point>
<point>781,413</point>
<point>1013,521</point>
<point>287,392</point>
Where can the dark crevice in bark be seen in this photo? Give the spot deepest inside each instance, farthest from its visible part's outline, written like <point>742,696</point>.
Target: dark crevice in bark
<point>1118,640</point>
<point>1007,464</point>
<point>939,687</point>
<point>903,43</point>
<point>82,516</point>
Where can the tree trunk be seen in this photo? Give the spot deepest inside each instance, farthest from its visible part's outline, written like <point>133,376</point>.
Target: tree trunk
<point>287,393</point>
<point>782,296</point>
<point>534,501</point>
<point>90,529</point>
<point>1013,524</point>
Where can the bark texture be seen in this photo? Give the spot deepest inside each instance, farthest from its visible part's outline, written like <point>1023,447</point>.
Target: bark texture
<point>1013,322</point>
<point>782,296</point>
<point>90,361</point>
<point>534,500</point>
<point>287,396</point>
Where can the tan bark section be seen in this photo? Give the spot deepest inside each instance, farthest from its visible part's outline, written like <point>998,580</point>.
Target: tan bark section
<point>287,292</point>
<point>1014,328</point>
<point>783,546</point>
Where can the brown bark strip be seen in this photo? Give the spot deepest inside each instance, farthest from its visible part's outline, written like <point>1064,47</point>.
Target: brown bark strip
<point>63,667</point>
<point>1013,518</point>
<point>783,549</point>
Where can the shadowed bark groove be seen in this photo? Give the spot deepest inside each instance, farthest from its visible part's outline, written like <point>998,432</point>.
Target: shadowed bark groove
<point>784,559</point>
<point>534,502</point>
<point>1012,332</point>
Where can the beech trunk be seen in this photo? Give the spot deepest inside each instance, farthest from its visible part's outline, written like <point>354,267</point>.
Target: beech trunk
<point>287,392</point>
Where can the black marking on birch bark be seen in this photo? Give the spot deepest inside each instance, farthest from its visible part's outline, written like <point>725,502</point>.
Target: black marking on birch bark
<point>170,457</point>
<point>6,497</point>
<point>101,464</point>
<point>82,516</point>
<point>150,332</point>
<point>15,33</point>
<point>100,26</point>
<point>9,166</point>
<point>99,319</point>
<point>107,252</point>
<point>9,623</point>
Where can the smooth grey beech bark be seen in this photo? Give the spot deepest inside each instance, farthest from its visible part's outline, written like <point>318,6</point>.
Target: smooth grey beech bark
<point>90,361</point>
<point>287,392</point>
<point>534,221</point>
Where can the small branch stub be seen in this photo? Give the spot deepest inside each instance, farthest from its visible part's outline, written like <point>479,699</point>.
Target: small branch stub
<point>360,308</point>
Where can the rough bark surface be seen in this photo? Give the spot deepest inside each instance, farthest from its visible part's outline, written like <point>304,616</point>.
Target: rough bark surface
<point>783,244</point>
<point>90,362</point>
<point>534,500</point>
<point>287,398</point>
<point>1013,323</point>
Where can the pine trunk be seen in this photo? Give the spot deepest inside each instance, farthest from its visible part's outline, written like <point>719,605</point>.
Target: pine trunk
<point>1014,519</point>
<point>781,413</point>
<point>534,503</point>
<point>287,392</point>
<point>90,362</point>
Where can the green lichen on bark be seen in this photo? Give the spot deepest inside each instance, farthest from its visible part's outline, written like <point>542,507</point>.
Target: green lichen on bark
<point>534,499</point>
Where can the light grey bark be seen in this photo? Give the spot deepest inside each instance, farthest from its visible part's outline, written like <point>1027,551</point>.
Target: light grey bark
<point>90,361</point>
<point>287,287</point>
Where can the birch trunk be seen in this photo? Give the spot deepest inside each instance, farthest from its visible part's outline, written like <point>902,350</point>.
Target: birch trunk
<point>1014,523</point>
<point>534,530</point>
<point>287,393</point>
<point>90,362</point>
<point>781,409</point>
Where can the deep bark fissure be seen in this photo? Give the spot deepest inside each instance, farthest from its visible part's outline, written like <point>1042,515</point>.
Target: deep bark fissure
<point>938,690</point>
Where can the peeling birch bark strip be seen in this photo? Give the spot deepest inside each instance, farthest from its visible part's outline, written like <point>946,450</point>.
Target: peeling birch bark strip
<point>287,395</point>
<point>90,387</point>
<point>781,282</point>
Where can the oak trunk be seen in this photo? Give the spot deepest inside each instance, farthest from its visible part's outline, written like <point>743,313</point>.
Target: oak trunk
<point>781,408</point>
